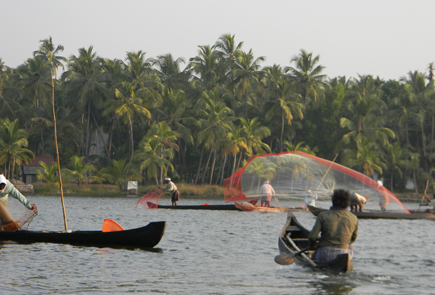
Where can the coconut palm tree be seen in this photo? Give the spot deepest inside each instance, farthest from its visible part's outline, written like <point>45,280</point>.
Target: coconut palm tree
<point>309,76</point>
<point>396,159</point>
<point>169,73</point>
<point>283,100</point>
<point>246,77</point>
<point>79,171</point>
<point>85,83</point>
<point>206,67</point>
<point>152,158</point>
<point>128,106</point>
<point>236,145</point>
<point>420,93</point>
<point>215,121</point>
<point>48,173</point>
<point>366,114</point>
<point>254,132</point>
<point>367,158</point>
<point>162,133</point>
<point>13,143</point>
<point>119,172</point>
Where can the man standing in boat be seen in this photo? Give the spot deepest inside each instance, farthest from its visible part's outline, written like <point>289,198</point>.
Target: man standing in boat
<point>338,228</point>
<point>266,192</point>
<point>357,202</point>
<point>310,199</point>
<point>8,189</point>
<point>383,199</point>
<point>170,187</point>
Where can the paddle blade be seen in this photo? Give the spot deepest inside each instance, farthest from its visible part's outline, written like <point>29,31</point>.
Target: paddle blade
<point>151,199</point>
<point>111,225</point>
<point>284,259</point>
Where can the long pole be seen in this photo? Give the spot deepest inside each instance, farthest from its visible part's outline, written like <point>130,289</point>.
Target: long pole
<point>326,173</point>
<point>57,152</point>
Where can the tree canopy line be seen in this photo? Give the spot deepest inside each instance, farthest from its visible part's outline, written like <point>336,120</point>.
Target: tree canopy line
<point>199,120</point>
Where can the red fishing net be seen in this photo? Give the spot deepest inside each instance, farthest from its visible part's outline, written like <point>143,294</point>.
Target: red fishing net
<point>151,199</point>
<point>295,175</point>
<point>21,216</point>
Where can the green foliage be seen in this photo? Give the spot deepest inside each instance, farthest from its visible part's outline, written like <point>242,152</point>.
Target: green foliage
<point>141,117</point>
<point>118,173</point>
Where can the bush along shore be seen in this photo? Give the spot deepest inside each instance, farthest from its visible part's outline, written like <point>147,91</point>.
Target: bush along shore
<point>186,190</point>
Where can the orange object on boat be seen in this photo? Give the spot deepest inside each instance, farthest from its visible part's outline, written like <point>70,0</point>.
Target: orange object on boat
<point>111,225</point>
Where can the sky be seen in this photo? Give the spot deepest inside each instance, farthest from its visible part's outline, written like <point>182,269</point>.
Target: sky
<point>371,37</point>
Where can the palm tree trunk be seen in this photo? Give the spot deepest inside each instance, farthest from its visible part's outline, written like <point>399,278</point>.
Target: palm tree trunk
<point>221,172</point>
<point>130,123</point>
<point>234,164</point>
<point>282,131</point>
<point>218,173</point>
<point>13,169</point>
<point>240,159</point>
<point>42,144</point>
<point>88,136</point>
<point>391,185</point>
<point>206,166</point>
<point>199,166</point>
<point>212,167</point>
<point>101,135</point>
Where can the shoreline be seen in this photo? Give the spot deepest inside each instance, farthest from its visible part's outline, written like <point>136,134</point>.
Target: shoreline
<point>191,191</point>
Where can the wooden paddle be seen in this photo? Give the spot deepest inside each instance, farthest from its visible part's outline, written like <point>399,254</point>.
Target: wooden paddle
<point>287,259</point>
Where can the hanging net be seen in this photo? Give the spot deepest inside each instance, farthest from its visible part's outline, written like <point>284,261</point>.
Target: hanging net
<point>296,175</point>
<point>18,213</point>
<point>151,199</point>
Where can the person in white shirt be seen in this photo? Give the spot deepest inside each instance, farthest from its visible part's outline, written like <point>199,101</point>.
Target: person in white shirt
<point>170,187</point>
<point>7,189</point>
<point>383,199</point>
<point>356,202</point>
<point>266,192</point>
<point>310,199</point>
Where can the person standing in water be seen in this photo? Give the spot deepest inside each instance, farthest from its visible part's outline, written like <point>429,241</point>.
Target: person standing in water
<point>8,189</point>
<point>170,187</point>
<point>266,192</point>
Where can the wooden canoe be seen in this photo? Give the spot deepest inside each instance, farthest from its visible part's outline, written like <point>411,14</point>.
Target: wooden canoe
<point>200,207</point>
<point>250,207</point>
<point>143,237</point>
<point>294,238</point>
<point>378,214</point>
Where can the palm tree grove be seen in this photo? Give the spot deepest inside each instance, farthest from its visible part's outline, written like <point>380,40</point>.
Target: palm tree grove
<point>198,120</point>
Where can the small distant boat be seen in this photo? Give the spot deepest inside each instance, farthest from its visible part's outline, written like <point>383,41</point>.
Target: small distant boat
<point>200,207</point>
<point>378,214</point>
<point>143,237</point>
<point>251,207</point>
<point>293,244</point>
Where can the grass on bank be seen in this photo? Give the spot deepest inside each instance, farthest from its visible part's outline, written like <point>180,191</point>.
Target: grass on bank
<point>186,190</point>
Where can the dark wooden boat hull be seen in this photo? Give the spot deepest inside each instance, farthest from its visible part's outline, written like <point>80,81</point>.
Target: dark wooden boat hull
<point>200,207</point>
<point>251,208</point>
<point>144,237</point>
<point>381,215</point>
<point>294,237</point>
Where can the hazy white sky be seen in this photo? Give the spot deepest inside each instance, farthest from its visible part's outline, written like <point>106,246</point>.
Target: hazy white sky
<point>381,38</point>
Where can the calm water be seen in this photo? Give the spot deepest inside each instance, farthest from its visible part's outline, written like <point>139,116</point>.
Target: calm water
<point>209,252</point>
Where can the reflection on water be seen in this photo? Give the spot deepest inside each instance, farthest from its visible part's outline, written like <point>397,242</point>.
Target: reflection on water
<point>209,252</point>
